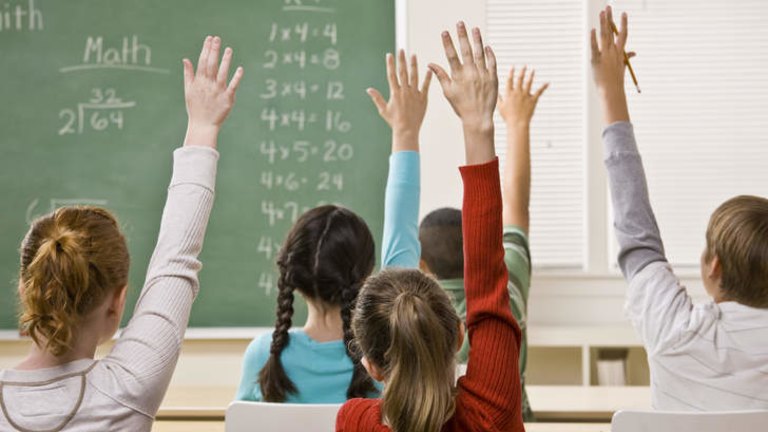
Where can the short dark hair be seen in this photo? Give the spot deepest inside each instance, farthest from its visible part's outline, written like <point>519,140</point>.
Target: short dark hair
<point>738,235</point>
<point>442,245</point>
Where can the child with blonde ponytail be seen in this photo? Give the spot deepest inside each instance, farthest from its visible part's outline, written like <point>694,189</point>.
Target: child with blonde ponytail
<point>405,327</point>
<point>73,281</point>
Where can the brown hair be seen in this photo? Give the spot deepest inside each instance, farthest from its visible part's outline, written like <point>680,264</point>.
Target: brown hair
<point>71,260</point>
<point>738,235</point>
<point>405,325</point>
<point>442,244</point>
<point>326,256</point>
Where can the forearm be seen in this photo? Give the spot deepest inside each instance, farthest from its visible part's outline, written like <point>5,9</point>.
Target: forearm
<point>614,104</point>
<point>400,242</point>
<point>149,345</point>
<point>478,142</point>
<point>517,176</point>
<point>636,228</point>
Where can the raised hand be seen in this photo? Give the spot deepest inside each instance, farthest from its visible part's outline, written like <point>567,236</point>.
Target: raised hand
<point>208,97</point>
<point>609,66</point>
<point>404,112</point>
<point>472,90</point>
<point>516,107</point>
<point>517,104</point>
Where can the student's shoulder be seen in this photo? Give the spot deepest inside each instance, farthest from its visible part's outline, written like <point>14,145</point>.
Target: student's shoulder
<point>358,412</point>
<point>258,349</point>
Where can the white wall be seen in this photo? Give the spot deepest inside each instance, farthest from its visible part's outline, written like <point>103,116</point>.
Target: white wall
<point>442,145</point>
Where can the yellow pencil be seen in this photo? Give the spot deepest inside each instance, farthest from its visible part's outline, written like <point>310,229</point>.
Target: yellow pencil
<point>626,60</point>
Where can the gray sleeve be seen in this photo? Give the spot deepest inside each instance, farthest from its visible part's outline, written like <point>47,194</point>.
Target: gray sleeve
<point>138,369</point>
<point>636,229</point>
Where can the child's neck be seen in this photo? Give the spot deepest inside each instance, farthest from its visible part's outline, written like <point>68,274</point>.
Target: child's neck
<point>324,323</point>
<point>39,358</point>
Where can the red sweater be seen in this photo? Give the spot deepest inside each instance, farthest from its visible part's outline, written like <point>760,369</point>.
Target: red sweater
<point>489,395</point>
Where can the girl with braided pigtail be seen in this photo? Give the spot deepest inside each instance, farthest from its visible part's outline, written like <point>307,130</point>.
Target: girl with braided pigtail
<point>326,257</point>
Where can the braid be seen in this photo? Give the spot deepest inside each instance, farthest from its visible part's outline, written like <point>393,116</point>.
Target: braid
<point>361,385</point>
<point>274,382</point>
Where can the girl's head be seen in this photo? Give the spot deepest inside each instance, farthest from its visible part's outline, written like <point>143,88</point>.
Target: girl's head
<point>74,271</point>
<point>408,334</point>
<point>326,257</point>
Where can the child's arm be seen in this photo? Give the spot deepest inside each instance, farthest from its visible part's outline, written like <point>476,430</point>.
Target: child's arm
<point>657,304</point>
<point>516,108</point>
<point>491,388</point>
<point>636,228</point>
<point>404,113</point>
<point>143,359</point>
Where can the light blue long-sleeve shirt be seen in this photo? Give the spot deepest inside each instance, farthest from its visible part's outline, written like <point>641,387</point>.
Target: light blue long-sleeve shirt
<point>400,245</point>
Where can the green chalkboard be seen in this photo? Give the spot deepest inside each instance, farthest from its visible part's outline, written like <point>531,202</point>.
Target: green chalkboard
<point>92,108</point>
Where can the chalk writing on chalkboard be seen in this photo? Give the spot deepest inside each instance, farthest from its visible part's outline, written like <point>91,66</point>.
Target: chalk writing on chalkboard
<point>128,54</point>
<point>20,17</point>
<point>102,111</point>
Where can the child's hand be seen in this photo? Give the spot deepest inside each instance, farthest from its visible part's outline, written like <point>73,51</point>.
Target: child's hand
<point>404,112</point>
<point>473,86</point>
<point>208,97</point>
<point>608,66</point>
<point>472,89</point>
<point>518,104</point>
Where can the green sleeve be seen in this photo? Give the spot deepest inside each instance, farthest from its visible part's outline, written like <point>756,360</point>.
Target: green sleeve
<point>517,257</point>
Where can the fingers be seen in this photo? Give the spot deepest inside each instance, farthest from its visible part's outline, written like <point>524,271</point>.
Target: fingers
<point>623,32</point>
<point>235,82</point>
<point>378,99</point>
<point>442,75</point>
<point>540,91</point>
<point>414,73</point>
<point>521,79</point>
<point>212,67</point>
<point>189,73</point>
<point>511,80</point>
<point>595,48</point>
<point>402,68</point>
<point>491,62</point>
<point>479,50</point>
<point>450,53</point>
<point>606,35</point>
<point>529,82</point>
<point>466,49</point>
<point>427,82</point>
<point>202,61</point>
<point>631,54</point>
<point>391,77</point>
<point>226,60</point>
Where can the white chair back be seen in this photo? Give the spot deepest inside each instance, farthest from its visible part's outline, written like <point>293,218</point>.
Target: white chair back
<point>660,421</point>
<point>277,417</point>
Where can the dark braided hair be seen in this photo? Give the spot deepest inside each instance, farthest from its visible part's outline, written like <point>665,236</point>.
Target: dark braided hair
<point>326,256</point>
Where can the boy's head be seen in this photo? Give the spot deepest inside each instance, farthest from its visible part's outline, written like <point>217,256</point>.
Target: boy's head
<point>442,249</point>
<point>735,260</point>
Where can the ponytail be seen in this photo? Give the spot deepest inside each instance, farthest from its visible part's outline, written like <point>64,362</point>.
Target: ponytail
<point>405,325</point>
<point>70,260</point>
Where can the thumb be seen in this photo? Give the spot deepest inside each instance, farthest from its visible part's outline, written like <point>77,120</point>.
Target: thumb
<point>378,99</point>
<point>442,75</point>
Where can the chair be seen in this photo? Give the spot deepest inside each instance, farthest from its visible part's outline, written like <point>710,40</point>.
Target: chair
<point>659,421</point>
<point>280,417</point>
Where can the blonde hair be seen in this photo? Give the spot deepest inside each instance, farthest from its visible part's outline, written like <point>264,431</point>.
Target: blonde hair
<point>738,235</point>
<point>70,260</point>
<point>405,325</point>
